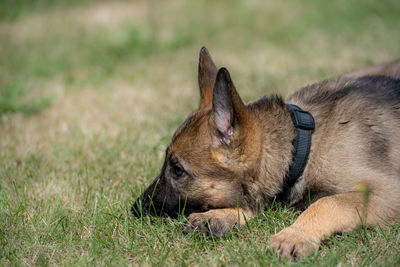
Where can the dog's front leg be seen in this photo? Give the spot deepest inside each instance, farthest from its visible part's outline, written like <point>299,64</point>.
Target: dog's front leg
<point>218,221</point>
<point>328,215</point>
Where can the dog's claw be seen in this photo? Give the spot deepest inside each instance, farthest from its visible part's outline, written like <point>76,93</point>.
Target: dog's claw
<point>211,222</point>
<point>185,230</point>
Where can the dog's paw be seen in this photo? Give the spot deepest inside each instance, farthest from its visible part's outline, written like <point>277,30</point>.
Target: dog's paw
<point>292,243</point>
<point>214,222</point>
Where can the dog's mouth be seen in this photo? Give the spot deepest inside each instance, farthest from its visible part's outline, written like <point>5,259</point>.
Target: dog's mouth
<point>160,199</point>
<point>143,207</point>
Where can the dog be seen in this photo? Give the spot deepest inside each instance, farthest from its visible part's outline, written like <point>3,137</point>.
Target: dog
<point>229,160</point>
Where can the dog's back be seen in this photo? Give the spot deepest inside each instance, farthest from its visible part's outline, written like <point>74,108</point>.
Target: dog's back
<point>391,69</point>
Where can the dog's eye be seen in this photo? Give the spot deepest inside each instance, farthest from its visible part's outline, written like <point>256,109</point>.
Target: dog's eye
<point>177,170</point>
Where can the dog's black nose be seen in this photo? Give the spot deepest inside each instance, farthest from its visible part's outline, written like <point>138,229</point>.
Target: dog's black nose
<point>138,209</point>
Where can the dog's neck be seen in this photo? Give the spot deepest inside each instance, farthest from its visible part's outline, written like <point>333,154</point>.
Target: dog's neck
<point>277,135</point>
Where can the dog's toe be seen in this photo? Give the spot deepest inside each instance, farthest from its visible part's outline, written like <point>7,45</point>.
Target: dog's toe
<point>293,244</point>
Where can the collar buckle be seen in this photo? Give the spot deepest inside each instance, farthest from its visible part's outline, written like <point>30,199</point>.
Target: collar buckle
<point>303,119</point>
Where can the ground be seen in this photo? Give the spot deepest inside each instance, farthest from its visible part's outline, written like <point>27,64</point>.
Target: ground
<point>91,92</point>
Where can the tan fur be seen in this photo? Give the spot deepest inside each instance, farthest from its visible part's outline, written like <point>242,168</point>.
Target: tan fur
<point>229,159</point>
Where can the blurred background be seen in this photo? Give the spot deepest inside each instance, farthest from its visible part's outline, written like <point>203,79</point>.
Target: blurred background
<point>107,65</point>
<point>92,66</point>
<point>91,91</point>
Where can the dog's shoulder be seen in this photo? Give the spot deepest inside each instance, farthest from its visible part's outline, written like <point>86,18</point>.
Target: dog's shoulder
<point>356,123</point>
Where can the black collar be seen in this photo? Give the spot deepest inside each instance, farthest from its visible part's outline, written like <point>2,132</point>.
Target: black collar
<point>304,123</point>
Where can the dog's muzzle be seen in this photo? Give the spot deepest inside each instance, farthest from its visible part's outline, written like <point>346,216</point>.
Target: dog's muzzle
<point>140,208</point>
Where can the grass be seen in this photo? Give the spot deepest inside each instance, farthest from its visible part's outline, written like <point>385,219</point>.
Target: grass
<point>107,83</point>
<point>12,100</point>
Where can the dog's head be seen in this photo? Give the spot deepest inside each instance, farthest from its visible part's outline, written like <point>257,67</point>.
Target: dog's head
<point>210,155</point>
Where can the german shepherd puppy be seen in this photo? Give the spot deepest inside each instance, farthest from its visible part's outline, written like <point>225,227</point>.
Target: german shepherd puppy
<point>228,160</point>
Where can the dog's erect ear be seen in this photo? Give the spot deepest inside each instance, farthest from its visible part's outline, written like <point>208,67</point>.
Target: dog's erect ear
<point>207,75</point>
<point>228,109</point>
